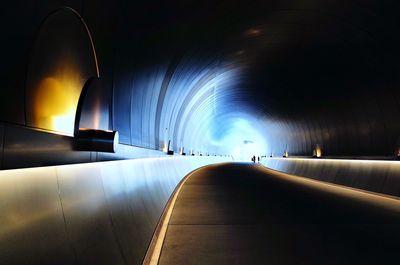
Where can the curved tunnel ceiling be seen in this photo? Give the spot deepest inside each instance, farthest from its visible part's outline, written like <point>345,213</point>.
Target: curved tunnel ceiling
<point>296,74</point>
<point>241,78</point>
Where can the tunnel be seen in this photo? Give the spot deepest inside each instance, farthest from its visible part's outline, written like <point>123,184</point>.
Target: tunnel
<point>200,132</point>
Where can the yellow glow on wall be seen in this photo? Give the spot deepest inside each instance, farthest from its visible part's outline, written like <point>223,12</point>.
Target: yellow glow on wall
<point>62,59</point>
<point>317,152</point>
<point>165,148</point>
<point>55,101</point>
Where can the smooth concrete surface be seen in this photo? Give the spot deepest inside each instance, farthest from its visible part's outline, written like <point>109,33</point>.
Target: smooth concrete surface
<point>248,214</point>
<point>381,176</point>
<point>94,213</point>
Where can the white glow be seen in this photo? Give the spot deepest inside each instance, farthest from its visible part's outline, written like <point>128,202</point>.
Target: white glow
<point>64,123</point>
<point>244,139</point>
<point>244,152</point>
<point>165,148</point>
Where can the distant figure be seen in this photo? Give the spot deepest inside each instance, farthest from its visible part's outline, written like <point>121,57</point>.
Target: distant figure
<point>258,159</point>
<point>253,159</point>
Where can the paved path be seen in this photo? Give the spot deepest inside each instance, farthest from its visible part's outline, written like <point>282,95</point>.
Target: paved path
<point>247,214</point>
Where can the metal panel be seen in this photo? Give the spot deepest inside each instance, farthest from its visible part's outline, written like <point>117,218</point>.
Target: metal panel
<point>24,147</point>
<point>33,228</point>
<point>121,213</point>
<point>291,66</point>
<point>95,108</point>
<point>61,60</point>
<point>95,213</point>
<point>373,175</point>
<point>86,213</point>
<point>121,112</point>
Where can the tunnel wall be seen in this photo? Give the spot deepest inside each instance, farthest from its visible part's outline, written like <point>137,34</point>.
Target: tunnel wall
<point>371,175</point>
<point>22,147</point>
<point>329,75</point>
<point>94,213</point>
<point>148,88</point>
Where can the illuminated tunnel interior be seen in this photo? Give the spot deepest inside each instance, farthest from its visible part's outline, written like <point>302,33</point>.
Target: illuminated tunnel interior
<point>211,78</point>
<point>85,83</point>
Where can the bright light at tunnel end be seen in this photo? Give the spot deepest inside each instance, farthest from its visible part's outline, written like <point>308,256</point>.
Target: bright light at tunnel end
<point>246,150</point>
<point>244,138</point>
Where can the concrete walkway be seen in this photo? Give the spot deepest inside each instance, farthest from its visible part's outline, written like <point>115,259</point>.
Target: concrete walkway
<point>247,214</point>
